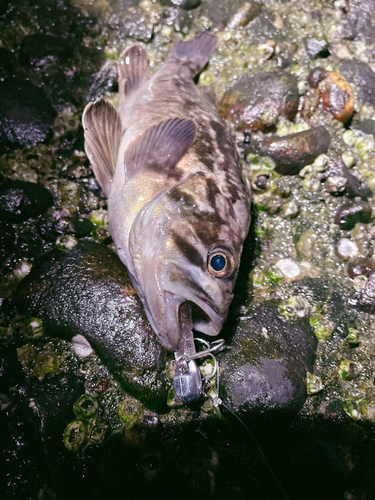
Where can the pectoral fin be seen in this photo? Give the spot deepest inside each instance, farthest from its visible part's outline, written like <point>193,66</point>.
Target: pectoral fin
<point>132,71</point>
<point>160,148</point>
<point>103,133</point>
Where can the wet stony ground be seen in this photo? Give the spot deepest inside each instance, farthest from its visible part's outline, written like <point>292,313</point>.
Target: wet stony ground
<point>87,405</point>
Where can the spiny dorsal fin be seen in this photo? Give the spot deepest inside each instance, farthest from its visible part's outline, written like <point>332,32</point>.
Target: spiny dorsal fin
<point>160,147</point>
<point>132,70</point>
<point>103,133</point>
<point>195,53</point>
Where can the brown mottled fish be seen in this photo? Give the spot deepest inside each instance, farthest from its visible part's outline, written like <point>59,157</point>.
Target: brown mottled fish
<point>178,199</point>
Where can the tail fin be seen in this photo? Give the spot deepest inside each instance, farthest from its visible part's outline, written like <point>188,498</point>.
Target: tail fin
<point>132,70</point>
<point>196,53</point>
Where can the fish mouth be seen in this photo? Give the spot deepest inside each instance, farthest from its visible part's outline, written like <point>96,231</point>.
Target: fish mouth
<point>178,288</point>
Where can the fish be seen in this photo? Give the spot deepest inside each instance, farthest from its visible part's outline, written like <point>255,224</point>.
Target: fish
<point>178,195</point>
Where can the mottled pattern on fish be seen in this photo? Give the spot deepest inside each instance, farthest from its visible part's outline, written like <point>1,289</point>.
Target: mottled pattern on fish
<point>177,194</point>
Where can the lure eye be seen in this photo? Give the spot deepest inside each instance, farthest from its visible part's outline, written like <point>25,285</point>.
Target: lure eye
<point>220,262</point>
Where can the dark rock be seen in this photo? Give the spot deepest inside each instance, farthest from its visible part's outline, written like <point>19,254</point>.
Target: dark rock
<point>365,299</point>
<point>363,77</point>
<point>292,152</point>
<point>224,12</point>
<point>349,214</point>
<point>335,91</point>
<point>357,22</point>
<point>21,200</point>
<point>103,82</point>
<point>261,29</point>
<point>124,4</point>
<point>264,372</point>
<point>316,48</point>
<point>256,101</point>
<point>7,63</point>
<point>315,76</point>
<point>284,61</point>
<point>364,127</point>
<point>26,114</point>
<point>7,241</point>
<point>353,187</point>
<point>183,22</point>
<point>186,4</point>
<point>78,225</point>
<point>35,48</point>
<point>337,96</point>
<point>34,453</point>
<point>87,291</point>
<point>131,25</point>
<point>316,15</point>
<point>363,267</point>
<point>3,6</point>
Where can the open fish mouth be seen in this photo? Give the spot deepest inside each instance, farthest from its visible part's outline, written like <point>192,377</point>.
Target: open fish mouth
<point>177,289</point>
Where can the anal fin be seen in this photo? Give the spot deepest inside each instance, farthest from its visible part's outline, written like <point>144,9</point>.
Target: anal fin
<point>160,148</point>
<point>132,71</point>
<point>103,133</point>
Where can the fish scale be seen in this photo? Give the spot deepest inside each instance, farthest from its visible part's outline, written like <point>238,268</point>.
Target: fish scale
<point>178,198</point>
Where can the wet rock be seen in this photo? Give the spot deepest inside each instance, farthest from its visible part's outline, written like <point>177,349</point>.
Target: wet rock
<point>7,63</point>
<point>364,127</point>
<point>86,291</point>
<point>357,21</point>
<point>363,267</point>
<point>337,96</point>
<point>183,22</point>
<point>104,81</point>
<point>335,91</point>
<point>315,76</point>
<point>186,4</point>
<point>36,48</point>
<point>21,200</point>
<point>35,423</point>
<point>130,24</point>
<point>363,77</point>
<point>224,12</point>
<point>352,187</point>
<point>264,372</point>
<point>256,101</point>
<point>365,298</point>
<point>3,6</point>
<point>27,115</point>
<point>316,48</point>
<point>261,29</point>
<point>292,152</point>
<point>79,226</point>
<point>349,214</point>
<point>7,240</point>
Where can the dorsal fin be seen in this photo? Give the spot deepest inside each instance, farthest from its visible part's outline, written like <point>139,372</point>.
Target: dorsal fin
<point>132,70</point>
<point>160,147</point>
<point>103,133</point>
<point>195,53</point>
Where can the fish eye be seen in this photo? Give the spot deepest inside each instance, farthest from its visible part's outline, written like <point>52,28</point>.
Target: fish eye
<point>220,262</point>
